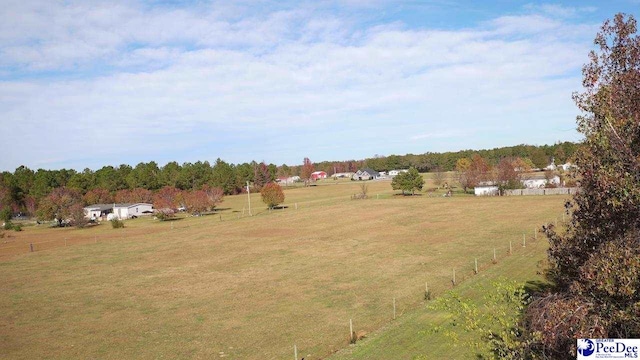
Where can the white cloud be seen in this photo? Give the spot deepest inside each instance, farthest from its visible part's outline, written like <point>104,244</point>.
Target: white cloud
<point>196,79</point>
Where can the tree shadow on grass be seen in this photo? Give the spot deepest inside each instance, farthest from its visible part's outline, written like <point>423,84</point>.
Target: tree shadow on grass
<point>536,287</point>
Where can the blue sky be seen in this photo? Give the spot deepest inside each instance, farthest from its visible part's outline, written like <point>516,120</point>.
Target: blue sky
<point>94,83</point>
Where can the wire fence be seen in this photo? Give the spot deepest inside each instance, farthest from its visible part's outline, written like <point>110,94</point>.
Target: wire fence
<point>349,324</point>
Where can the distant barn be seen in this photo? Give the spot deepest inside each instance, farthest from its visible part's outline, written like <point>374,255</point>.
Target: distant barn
<point>318,175</point>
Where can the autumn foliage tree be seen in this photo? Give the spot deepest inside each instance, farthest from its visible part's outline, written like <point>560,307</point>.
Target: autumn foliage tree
<point>261,175</point>
<point>307,170</point>
<point>137,195</point>
<point>97,196</point>
<point>199,201</point>
<point>595,264</point>
<point>62,204</point>
<point>168,197</point>
<point>471,172</point>
<point>272,195</point>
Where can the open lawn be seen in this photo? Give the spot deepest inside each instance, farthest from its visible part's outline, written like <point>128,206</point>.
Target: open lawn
<point>240,287</point>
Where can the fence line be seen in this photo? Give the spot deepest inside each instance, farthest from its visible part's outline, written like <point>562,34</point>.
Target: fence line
<point>545,191</point>
<point>392,308</point>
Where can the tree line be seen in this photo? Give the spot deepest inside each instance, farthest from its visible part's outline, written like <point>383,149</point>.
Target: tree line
<point>23,189</point>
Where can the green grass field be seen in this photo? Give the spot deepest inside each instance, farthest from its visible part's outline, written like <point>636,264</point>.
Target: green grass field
<point>240,287</point>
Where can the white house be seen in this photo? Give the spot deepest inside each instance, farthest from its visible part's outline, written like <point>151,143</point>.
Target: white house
<point>568,166</point>
<point>486,189</point>
<point>128,211</point>
<point>365,174</point>
<point>397,172</point>
<point>342,175</point>
<point>539,181</point>
<point>97,210</point>
<point>120,211</point>
<point>288,180</point>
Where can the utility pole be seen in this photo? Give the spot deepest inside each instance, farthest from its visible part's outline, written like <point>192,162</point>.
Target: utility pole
<point>249,197</point>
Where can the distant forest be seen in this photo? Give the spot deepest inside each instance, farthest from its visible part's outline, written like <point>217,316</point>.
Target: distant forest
<point>24,188</point>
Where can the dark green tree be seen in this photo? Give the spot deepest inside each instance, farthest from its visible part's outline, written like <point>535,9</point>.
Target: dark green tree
<point>409,181</point>
<point>224,177</point>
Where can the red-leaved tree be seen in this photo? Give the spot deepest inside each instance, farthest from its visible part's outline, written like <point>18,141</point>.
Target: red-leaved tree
<point>97,196</point>
<point>272,195</point>
<point>137,195</point>
<point>307,170</point>
<point>168,197</point>
<point>62,204</point>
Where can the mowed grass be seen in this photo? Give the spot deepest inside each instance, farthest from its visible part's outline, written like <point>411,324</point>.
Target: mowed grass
<point>228,286</point>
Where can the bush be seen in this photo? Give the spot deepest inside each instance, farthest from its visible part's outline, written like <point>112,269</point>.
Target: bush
<point>272,195</point>
<point>117,223</point>
<point>17,228</point>
<point>164,214</point>
<point>7,225</point>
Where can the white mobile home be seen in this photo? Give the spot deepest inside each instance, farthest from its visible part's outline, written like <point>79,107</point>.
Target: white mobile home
<point>120,211</point>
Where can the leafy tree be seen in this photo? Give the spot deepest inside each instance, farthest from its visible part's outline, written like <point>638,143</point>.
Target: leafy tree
<point>507,173</point>
<point>137,195</point>
<point>409,181</point>
<point>272,195</point>
<point>595,263</point>
<point>224,177</point>
<point>44,181</point>
<point>214,195</point>
<point>439,176</point>
<point>83,181</point>
<point>30,205</point>
<point>62,204</point>
<point>167,198</point>
<point>462,171</point>
<point>196,201</point>
<point>144,175</point>
<point>273,171</point>
<point>5,202</point>
<point>479,171</point>
<point>262,176</point>
<point>107,178</point>
<point>284,171</point>
<point>306,171</point>
<point>170,173</point>
<point>97,196</point>
<point>491,329</point>
<point>199,201</point>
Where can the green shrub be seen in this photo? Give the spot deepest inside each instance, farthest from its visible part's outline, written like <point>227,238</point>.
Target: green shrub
<point>17,227</point>
<point>117,223</point>
<point>7,225</point>
<point>164,214</point>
